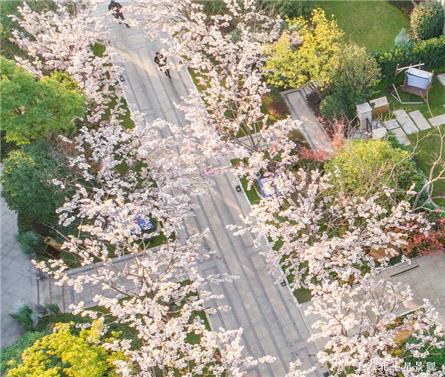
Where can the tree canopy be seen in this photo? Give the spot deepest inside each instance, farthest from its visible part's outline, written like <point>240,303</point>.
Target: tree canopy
<point>355,81</point>
<point>363,167</point>
<point>34,108</point>
<point>26,180</point>
<point>307,51</point>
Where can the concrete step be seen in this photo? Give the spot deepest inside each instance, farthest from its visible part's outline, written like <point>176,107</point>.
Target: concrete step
<point>405,121</point>
<point>419,120</point>
<point>437,120</point>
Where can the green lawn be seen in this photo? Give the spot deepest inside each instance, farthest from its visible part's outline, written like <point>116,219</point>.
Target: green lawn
<point>428,148</point>
<point>373,24</point>
<point>436,100</point>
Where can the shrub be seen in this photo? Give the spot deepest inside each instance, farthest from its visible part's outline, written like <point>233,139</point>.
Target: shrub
<point>355,81</point>
<point>306,51</point>
<point>290,8</point>
<point>427,243</point>
<point>27,182</point>
<point>332,107</point>
<point>275,106</point>
<point>427,20</point>
<point>66,353</point>
<point>32,109</point>
<point>12,353</point>
<point>5,146</point>
<point>26,317</point>
<point>363,167</point>
<point>431,52</point>
<point>30,241</point>
<point>313,99</point>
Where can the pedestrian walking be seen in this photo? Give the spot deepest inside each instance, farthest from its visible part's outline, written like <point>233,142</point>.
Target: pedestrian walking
<point>116,9</point>
<point>161,61</point>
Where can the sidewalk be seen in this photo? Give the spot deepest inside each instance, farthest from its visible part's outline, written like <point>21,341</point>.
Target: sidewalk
<point>272,322</point>
<point>17,279</point>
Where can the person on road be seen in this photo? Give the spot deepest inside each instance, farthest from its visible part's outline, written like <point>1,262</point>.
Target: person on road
<point>161,61</point>
<point>116,9</point>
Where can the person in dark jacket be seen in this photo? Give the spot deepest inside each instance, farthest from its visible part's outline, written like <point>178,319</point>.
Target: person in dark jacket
<point>116,9</point>
<point>161,61</point>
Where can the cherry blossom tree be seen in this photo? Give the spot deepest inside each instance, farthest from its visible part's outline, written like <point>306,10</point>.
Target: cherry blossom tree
<point>127,176</point>
<point>322,234</point>
<point>372,329</point>
<point>225,53</point>
<point>130,187</point>
<point>60,40</point>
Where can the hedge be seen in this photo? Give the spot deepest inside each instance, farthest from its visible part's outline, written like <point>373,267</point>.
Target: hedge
<point>427,20</point>
<point>431,52</point>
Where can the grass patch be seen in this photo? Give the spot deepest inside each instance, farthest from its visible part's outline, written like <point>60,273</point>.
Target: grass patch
<point>302,295</point>
<point>436,100</point>
<point>98,49</point>
<point>428,148</point>
<point>373,24</point>
<point>252,194</point>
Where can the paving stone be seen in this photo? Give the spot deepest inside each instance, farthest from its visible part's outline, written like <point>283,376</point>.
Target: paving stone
<point>419,120</point>
<point>401,136</point>
<point>379,133</point>
<point>405,122</point>
<point>437,120</point>
<point>391,124</point>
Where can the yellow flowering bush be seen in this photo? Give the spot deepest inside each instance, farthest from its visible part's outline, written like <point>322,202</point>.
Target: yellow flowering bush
<point>64,353</point>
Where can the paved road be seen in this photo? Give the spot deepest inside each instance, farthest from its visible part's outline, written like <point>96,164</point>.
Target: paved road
<point>272,322</point>
<point>18,283</point>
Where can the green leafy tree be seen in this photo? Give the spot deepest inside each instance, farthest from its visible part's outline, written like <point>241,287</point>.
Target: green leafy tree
<point>364,167</point>
<point>64,353</point>
<point>306,51</point>
<point>26,180</point>
<point>355,81</point>
<point>32,109</point>
<point>427,20</point>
